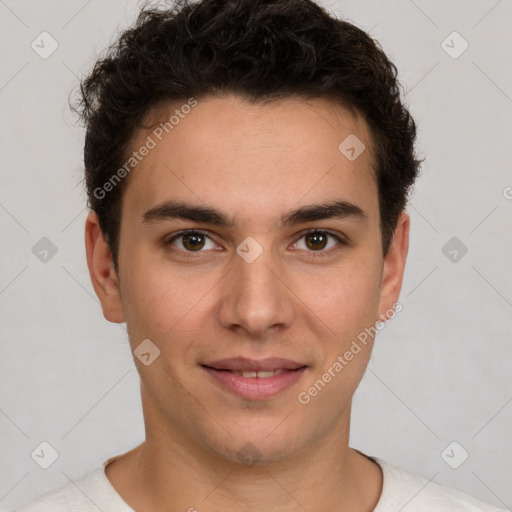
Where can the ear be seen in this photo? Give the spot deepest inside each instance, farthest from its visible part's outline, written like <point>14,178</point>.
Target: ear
<point>101,269</point>
<point>394,266</point>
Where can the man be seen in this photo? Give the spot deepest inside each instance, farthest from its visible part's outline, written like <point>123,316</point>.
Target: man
<point>247,165</point>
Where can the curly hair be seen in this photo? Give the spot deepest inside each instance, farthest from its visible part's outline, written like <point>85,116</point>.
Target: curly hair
<point>264,50</point>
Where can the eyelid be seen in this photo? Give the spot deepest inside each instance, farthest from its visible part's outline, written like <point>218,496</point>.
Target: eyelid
<point>336,234</point>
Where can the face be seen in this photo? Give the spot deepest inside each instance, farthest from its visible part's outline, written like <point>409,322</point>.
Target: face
<point>250,257</point>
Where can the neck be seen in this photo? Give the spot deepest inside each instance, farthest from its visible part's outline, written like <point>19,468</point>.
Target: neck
<point>168,473</point>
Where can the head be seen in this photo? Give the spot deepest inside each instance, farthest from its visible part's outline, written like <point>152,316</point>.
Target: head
<point>275,134</point>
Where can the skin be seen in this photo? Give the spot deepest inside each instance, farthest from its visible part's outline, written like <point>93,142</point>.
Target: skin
<point>297,300</point>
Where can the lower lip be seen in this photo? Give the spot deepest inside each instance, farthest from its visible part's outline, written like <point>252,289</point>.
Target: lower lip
<point>254,388</point>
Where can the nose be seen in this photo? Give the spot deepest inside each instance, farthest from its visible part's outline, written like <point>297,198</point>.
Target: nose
<point>256,300</point>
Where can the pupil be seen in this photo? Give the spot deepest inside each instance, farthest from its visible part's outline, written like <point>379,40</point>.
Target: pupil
<point>193,241</point>
<point>316,238</point>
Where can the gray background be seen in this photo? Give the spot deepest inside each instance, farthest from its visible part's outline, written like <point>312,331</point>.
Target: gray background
<point>440,371</point>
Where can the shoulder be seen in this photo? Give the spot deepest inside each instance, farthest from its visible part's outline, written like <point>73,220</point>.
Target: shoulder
<point>407,491</point>
<point>88,494</point>
<point>57,500</point>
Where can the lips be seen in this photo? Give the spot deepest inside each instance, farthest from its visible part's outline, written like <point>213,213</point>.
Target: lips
<point>255,379</point>
<point>241,364</point>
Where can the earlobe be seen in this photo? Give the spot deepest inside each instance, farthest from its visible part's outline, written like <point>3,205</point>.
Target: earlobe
<point>394,266</point>
<point>101,270</point>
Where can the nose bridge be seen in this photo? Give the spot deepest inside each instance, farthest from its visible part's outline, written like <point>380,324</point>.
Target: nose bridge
<point>255,299</point>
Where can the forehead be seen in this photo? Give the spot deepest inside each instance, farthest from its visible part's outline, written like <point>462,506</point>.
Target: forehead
<point>252,158</point>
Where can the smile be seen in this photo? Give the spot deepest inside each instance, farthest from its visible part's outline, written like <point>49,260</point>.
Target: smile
<point>259,375</point>
<point>255,379</point>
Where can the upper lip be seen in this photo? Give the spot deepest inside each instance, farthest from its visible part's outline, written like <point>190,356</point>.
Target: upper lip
<point>242,364</point>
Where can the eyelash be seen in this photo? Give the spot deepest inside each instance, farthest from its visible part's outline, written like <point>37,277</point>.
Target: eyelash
<point>311,253</point>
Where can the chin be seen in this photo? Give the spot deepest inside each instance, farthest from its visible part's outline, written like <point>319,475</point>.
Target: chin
<point>264,443</point>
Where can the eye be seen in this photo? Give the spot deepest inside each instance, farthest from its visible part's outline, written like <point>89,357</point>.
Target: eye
<point>313,241</point>
<point>318,241</point>
<point>191,241</point>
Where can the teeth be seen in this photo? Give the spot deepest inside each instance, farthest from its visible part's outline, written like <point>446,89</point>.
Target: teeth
<point>262,375</point>
<point>259,375</point>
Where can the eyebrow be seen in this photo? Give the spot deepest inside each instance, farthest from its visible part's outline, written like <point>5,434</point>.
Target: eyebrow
<point>208,215</point>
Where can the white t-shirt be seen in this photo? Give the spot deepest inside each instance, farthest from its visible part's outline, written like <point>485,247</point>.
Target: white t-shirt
<point>401,491</point>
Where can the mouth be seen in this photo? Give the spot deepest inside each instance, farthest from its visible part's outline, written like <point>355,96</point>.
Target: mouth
<point>260,374</point>
<point>255,379</point>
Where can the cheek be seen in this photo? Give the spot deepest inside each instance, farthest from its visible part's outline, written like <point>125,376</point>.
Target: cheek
<point>152,302</point>
<point>165,306</point>
<point>346,299</point>
<point>348,304</point>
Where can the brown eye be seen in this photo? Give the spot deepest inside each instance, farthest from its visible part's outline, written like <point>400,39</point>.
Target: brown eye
<point>193,241</point>
<point>316,240</point>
